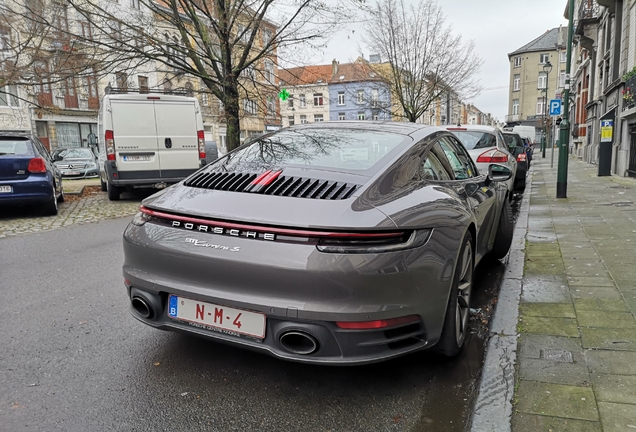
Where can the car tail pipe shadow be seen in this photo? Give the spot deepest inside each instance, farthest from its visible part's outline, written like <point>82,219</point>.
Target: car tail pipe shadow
<point>299,342</point>
<point>144,304</point>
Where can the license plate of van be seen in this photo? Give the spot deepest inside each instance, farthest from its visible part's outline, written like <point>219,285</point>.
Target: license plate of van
<point>136,158</point>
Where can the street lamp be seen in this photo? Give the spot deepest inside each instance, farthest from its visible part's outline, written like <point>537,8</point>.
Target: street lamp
<point>547,68</point>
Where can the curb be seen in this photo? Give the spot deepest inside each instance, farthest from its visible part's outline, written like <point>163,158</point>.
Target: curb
<point>493,407</point>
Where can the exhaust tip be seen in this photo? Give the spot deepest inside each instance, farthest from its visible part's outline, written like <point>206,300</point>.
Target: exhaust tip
<point>141,307</point>
<point>299,342</point>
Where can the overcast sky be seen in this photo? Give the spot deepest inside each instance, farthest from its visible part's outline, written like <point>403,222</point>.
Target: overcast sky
<point>497,27</point>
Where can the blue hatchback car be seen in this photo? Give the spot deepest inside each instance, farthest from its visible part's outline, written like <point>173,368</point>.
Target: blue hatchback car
<point>27,173</point>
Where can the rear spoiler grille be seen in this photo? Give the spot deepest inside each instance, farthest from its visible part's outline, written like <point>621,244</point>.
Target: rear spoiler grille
<point>299,187</point>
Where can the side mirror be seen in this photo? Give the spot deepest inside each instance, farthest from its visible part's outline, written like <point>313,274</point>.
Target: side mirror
<point>498,173</point>
<point>92,139</point>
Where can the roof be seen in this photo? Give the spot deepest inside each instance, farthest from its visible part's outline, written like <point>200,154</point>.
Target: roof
<point>360,70</point>
<point>547,41</point>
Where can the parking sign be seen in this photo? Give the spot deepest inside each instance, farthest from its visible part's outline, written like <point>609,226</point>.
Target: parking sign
<point>555,107</point>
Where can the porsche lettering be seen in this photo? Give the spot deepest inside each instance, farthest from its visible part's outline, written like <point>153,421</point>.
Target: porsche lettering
<point>224,231</point>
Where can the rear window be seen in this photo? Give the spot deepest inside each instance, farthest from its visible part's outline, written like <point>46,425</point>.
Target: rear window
<point>15,147</point>
<point>514,143</point>
<point>475,139</point>
<point>346,149</point>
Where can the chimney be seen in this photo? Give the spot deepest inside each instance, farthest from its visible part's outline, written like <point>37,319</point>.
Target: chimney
<point>334,67</point>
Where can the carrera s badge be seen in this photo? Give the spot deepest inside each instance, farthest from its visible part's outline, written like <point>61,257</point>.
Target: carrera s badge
<point>205,244</point>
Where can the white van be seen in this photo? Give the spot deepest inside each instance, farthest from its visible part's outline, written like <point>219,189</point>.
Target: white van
<point>529,132</point>
<point>148,140</point>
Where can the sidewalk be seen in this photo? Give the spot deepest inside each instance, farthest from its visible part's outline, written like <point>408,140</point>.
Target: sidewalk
<point>574,346</point>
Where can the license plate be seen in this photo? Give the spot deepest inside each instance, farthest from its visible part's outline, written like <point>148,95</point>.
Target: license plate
<point>215,317</point>
<point>6,189</point>
<point>136,158</point>
<point>71,172</point>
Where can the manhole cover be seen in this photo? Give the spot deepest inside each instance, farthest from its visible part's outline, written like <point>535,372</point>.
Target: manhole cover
<point>558,355</point>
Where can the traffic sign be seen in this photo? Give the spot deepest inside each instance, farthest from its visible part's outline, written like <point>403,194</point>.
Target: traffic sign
<point>555,107</point>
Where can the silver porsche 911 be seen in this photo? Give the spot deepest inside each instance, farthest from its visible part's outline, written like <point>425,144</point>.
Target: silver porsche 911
<point>331,243</point>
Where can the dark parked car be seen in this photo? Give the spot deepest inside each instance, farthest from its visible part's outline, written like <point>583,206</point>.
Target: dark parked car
<point>76,162</point>
<point>339,243</point>
<point>529,146</point>
<point>519,151</point>
<point>27,173</point>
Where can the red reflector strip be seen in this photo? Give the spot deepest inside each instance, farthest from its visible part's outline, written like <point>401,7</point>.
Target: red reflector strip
<point>260,178</point>
<point>279,231</point>
<point>378,324</point>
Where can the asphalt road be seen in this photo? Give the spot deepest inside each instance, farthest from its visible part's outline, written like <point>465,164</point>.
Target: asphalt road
<point>73,359</point>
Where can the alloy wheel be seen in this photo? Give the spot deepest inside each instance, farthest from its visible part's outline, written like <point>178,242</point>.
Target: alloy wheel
<point>464,291</point>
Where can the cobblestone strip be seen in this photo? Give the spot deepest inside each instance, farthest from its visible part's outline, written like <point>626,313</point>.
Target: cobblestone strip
<point>86,210</point>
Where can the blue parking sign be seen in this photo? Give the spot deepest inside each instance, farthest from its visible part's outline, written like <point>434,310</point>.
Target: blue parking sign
<point>555,107</point>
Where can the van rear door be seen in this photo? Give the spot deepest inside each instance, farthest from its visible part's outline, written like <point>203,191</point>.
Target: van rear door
<point>177,138</point>
<point>135,136</point>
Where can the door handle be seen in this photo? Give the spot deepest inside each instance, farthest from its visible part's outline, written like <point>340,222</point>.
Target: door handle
<point>168,143</point>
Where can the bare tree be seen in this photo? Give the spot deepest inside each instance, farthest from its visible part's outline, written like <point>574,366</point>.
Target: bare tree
<point>425,59</point>
<point>232,46</point>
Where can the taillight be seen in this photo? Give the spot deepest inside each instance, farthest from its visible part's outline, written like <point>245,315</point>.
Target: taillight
<point>377,324</point>
<point>201,138</point>
<point>492,156</point>
<point>521,157</point>
<point>110,145</point>
<point>362,244</point>
<point>37,165</point>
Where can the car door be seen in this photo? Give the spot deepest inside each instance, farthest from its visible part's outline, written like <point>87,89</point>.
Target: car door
<point>479,193</point>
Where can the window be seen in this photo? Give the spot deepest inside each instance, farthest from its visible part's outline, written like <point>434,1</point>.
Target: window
<point>563,56</point>
<point>122,80</point>
<point>271,106</point>
<point>318,117</point>
<point>249,106</point>
<point>290,119</point>
<point>189,89</point>
<point>374,97</point>
<point>542,81</point>
<point>562,79</point>
<point>515,106</point>
<point>5,37</point>
<point>167,86</point>
<point>115,31</point>
<point>303,102</point>
<point>243,33</point>
<point>135,4</point>
<point>433,168</point>
<point>360,97</point>
<point>9,96</point>
<point>87,31</point>
<point>91,86</point>
<point>375,116</point>
<point>269,71</point>
<point>516,83</point>
<point>517,61</point>
<point>341,98</point>
<point>460,169</point>
<point>360,116</point>
<point>303,119</point>
<point>290,101</point>
<point>60,17</point>
<point>205,101</point>
<point>317,99</point>
<point>143,84</point>
<point>341,116</point>
<point>267,36</point>
<point>544,58</point>
<point>248,72</point>
<point>540,106</point>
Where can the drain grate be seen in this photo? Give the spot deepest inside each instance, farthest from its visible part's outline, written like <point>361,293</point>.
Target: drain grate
<point>558,355</point>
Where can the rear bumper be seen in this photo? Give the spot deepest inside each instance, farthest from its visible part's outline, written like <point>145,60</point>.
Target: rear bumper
<point>144,178</point>
<point>297,288</point>
<point>35,188</point>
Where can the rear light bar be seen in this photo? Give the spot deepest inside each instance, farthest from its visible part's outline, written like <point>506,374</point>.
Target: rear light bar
<point>377,324</point>
<point>493,156</point>
<point>193,224</point>
<point>521,157</point>
<point>109,138</point>
<point>36,165</point>
<point>201,140</point>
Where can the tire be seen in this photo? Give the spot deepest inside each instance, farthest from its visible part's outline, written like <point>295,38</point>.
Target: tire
<point>61,198</point>
<point>102,184</point>
<point>458,310</point>
<point>505,230</point>
<point>113,192</point>
<point>50,207</point>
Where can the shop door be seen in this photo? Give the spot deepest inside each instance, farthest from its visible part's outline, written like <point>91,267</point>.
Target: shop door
<point>68,135</point>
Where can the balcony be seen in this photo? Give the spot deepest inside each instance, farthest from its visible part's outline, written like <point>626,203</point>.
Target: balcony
<point>589,12</point>
<point>512,118</point>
